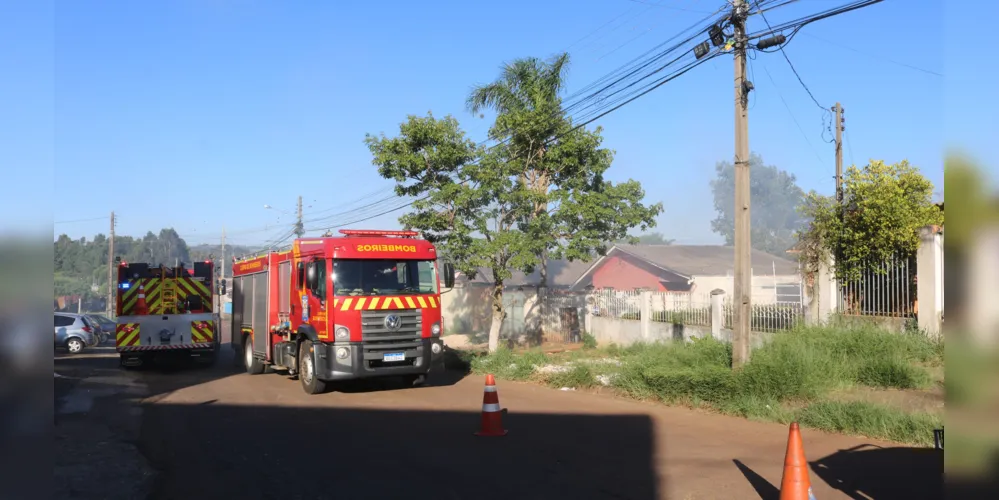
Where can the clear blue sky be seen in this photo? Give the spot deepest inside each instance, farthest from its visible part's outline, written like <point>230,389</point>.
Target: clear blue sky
<point>246,103</point>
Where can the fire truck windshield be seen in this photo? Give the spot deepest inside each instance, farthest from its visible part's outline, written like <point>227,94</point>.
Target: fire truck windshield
<point>384,277</point>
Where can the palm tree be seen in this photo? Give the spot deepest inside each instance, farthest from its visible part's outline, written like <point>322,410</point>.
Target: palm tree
<point>528,103</point>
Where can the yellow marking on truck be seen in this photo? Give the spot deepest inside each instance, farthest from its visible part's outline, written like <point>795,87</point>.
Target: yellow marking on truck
<point>410,303</point>
<point>336,303</point>
<point>360,304</point>
<point>374,303</point>
<point>423,303</point>
<point>196,334</point>
<point>433,302</point>
<point>126,333</point>
<point>346,304</point>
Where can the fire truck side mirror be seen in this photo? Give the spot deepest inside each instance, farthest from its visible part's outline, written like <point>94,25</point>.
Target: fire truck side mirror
<point>448,275</point>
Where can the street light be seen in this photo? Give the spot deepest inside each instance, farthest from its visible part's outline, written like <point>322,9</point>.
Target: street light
<point>275,208</point>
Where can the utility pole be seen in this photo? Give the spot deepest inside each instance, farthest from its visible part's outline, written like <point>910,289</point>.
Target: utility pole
<point>838,109</point>
<point>742,296</point>
<point>299,228</point>
<point>111,281</point>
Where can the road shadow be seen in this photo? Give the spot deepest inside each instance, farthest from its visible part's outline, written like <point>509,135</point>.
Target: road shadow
<point>223,451</point>
<point>169,374</point>
<point>869,472</point>
<point>763,488</point>
<point>873,472</point>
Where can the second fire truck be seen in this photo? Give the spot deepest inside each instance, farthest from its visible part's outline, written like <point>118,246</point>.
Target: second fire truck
<point>165,311</point>
<point>364,304</point>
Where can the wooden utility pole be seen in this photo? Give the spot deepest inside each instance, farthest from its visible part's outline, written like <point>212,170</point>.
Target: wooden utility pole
<point>742,296</point>
<point>112,283</point>
<point>299,227</point>
<point>838,109</point>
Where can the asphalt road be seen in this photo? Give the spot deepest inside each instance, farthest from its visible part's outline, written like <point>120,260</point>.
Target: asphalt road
<point>191,433</point>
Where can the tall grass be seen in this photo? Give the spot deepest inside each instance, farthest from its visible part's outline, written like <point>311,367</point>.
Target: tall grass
<point>787,378</point>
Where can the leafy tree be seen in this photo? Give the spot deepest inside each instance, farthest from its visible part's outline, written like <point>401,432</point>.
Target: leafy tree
<point>559,165</point>
<point>473,203</point>
<point>774,203</point>
<point>81,264</point>
<point>884,206</point>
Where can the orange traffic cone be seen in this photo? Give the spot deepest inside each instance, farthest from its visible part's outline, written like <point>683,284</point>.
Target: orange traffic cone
<point>795,485</point>
<point>140,304</point>
<point>492,415</point>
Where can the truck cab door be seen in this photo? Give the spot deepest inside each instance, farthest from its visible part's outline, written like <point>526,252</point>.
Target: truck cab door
<point>314,299</point>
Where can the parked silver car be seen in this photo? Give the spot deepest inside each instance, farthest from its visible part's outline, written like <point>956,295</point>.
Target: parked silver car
<point>74,332</point>
<point>106,325</point>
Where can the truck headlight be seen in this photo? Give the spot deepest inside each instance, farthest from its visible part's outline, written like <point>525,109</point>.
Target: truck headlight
<point>435,330</point>
<point>342,333</point>
<point>342,352</point>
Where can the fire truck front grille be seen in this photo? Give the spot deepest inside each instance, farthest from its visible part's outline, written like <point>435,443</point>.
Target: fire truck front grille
<point>377,335</point>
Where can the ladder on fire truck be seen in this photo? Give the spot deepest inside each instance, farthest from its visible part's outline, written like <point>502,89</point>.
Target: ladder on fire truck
<point>168,296</point>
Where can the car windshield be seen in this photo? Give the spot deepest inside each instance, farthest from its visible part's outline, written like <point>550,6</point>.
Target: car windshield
<point>384,277</point>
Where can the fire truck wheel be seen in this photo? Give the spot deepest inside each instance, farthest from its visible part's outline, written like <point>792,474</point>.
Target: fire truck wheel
<point>307,370</point>
<point>252,364</point>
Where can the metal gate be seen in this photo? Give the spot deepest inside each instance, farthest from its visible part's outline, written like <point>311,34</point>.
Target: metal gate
<point>513,324</point>
<point>562,316</point>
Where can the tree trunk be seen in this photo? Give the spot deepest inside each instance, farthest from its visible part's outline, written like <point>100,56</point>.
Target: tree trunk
<point>544,269</point>
<point>498,315</point>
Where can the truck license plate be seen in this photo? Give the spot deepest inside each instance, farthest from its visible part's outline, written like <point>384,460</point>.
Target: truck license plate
<point>394,356</point>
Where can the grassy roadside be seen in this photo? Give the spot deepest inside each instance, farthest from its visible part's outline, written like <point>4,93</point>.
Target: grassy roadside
<point>798,376</point>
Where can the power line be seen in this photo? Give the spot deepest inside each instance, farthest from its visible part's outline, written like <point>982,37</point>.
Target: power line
<point>795,120</point>
<point>875,56</point>
<point>670,7</point>
<point>789,63</point>
<point>400,207</point>
<point>849,147</point>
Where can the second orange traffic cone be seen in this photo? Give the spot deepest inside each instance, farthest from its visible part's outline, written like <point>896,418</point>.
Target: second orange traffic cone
<point>140,304</point>
<point>795,485</point>
<point>492,414</point>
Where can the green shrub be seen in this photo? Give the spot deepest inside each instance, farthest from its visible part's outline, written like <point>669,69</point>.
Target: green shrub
<point>788,370</point>
<point>504,363</point>
<point>871,420</point>
<point>709,384</point>
<point>589,341</point>
<point>577,376</point>
<point>892,372</point>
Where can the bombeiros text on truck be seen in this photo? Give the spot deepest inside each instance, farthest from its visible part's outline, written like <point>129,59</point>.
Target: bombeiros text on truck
<point>364,304</point>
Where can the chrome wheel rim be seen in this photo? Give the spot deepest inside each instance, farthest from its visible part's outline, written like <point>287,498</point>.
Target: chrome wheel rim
<point>306,370</point>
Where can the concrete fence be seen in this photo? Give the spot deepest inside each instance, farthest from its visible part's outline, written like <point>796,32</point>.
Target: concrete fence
<point>907,294</point>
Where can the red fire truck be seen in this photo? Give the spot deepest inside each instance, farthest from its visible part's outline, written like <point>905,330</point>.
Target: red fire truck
<point>165,311</point>
<point>364,304</point>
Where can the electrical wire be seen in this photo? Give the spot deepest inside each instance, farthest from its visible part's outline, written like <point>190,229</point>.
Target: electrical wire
<point>849,148</point>
<point>805,20</point>
<point>789,63</point>
<point>386,212</point>
<point>599,103</point>
<point>670,7</point>
<point>630,67</point>
<point>789,112</point>
<point>875,56</point>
